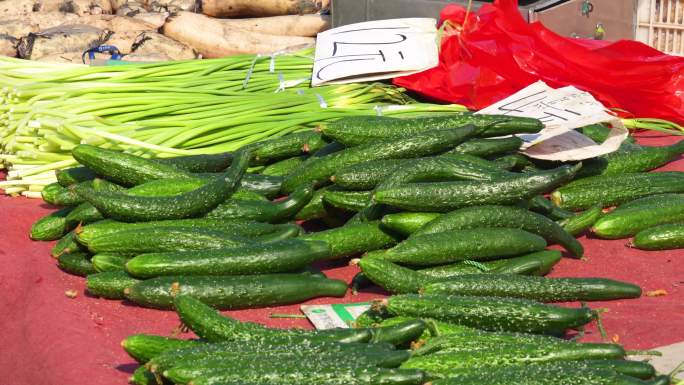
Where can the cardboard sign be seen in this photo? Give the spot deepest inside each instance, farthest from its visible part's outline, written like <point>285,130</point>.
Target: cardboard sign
<point>375,50</point>
<point>561,110</point>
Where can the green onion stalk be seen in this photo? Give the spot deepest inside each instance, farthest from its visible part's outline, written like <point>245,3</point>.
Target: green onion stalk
<point>168,109</point>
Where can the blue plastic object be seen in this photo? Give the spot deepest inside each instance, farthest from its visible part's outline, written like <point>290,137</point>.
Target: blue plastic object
<point>110,49</point>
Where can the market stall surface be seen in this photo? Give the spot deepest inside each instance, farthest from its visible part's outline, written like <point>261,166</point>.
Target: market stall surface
<point>50,338</point>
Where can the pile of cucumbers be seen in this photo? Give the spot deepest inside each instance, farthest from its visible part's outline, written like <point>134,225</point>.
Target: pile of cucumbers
<point>443,212</point>
<point>392,351</point>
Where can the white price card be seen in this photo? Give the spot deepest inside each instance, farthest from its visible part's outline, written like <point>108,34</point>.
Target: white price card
<point>374,50</point>
<point>338,315</point>
<point>561,110</point>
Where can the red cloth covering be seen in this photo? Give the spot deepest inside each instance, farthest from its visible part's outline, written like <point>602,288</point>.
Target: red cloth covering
<point>496,53</point>
<point>50,339</point>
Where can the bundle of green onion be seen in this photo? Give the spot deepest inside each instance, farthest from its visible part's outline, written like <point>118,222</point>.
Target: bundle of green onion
<point>167,109</point>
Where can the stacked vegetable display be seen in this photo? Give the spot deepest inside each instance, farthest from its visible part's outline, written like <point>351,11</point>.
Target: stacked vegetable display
<point>447,217</point>
<point>398,351</point>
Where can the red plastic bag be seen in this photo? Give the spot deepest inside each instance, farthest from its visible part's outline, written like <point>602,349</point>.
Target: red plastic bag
<point>496,53</point>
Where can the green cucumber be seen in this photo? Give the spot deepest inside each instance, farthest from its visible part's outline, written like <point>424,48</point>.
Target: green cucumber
<point>247,195</point>
<point>320,169</point>
<point>616,189</point>
<point>236,228</point>
<point>57,195</point>
<point>109,284</point>
<point>186,205</point>
<point>264,211</point>
<point>184,165</point>
<point>143,347</point>
<point>626,222</point>
<point>582,222</point>
<point>490,313</point>
<point>544,373</point>
<point>126,169</point>
<point>150,240</point>
<point>623,162</point>
<point>315,209</point>
<point>512,162</point>
<point>488,147</point>
<point>199,163</point>
<point>74,175</point>
<point>76,263</point>
<point>142,376</point>
<point>190,163</point>
<point>368,175</point>
<point>407,223</point>
<point>353,239</point>
<point>83,214</point>
<point>656,200</point>
<point>473,340</point>
<point>661,380</point>
<point>663,237</point>
<point>444,168</point>
<point>283,167</point>
<point>210,325</point>
<point>278,350</point>
<point>596,132</point>
<point>398,279</point>
<point>504,216</point>
<point>636,369</point>
<point>544,206</point>
<point>459,245</point>
<point>354,131</point>
<point>108,262</point>
<point>294,361</point>
<point>446,196</point>
<point>267,186</point>
<point>538,263</point>
<point>66,244</point>
<point>328,149</point>
<point>271,346</point>
<point>347,200</point>
<point>445,362</point>
<point>87,213</point>
<point>283,256</point>
<point>399,334</point>
<point>351,376</point>
<point>235,292</point>
<point>50,227</point>
<point>536,288</point>
<point>392,277</point>
<point>287,146</point>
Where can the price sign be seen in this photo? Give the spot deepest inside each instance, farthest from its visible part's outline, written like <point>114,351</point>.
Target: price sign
<point>561,110</point>
<point>375,50</point>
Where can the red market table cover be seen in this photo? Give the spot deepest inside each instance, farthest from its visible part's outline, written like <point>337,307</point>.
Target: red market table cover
<point>51,339</point>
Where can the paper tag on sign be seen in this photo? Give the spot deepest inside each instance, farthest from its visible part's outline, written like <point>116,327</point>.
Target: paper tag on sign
<point>338,315</point>
<point>374,50</point>
<point>561,110</point>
